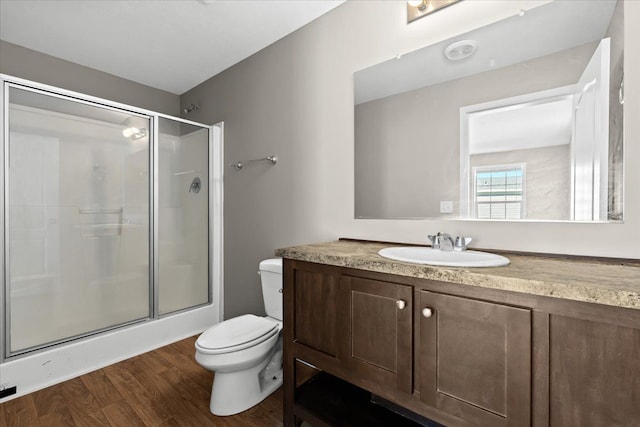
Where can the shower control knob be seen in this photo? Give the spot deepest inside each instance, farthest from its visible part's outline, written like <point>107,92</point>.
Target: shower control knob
<point>401,304</point>
<point>427,312</point>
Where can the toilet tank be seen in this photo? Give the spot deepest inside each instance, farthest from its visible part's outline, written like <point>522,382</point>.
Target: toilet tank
<point>271,278</point>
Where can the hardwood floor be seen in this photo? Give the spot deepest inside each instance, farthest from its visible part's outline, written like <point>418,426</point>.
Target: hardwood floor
<point>165,387</point>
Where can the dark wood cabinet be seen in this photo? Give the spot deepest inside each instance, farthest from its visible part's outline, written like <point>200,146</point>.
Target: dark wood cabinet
<point>594,372</point>
<point>455,354</point>
<point>475,359</point>
<point>381,334</point>
<point>316,308</point>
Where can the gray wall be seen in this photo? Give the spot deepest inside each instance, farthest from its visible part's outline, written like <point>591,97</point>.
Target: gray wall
<point>18,61</point>
<point>295,99</point>
<point>407,146</point>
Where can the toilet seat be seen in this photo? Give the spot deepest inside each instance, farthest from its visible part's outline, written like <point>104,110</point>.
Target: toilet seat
<point>237,334</point>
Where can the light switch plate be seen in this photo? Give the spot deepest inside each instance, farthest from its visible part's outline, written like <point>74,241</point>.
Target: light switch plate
<point>446,206</point>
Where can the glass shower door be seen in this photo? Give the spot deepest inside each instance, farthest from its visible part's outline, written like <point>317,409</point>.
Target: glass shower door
<point>183,215</point>
<point>77,218</point>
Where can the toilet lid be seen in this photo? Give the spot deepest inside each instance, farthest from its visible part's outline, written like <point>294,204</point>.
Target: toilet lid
<point>236,331</point>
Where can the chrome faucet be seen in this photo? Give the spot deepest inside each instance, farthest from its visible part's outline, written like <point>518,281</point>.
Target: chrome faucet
<point>461,243</point>
<point>445,242</point>
<point>441,241</point>
<point>435,240</point>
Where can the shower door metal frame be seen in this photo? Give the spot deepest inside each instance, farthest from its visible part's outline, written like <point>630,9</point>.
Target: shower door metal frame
<point>214,221</point>
<point>215,202</point>
<point>154,265</point>
<point>4,108</point>
<point>45,91</point>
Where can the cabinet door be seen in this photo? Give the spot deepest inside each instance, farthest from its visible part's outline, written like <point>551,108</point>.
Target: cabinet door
<point>380,349</point>
<point>316,311</point>
<point>594,373</point>
<point>475,359</point>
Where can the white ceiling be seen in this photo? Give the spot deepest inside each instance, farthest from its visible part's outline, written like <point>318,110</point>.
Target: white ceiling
<point>525,126</point>
<point>172,45</point>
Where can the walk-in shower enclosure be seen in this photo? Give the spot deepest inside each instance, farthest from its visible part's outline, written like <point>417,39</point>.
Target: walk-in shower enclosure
<point>107,216</point>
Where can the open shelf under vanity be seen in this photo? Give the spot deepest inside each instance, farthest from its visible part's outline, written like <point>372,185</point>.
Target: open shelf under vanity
<point>325,400</point>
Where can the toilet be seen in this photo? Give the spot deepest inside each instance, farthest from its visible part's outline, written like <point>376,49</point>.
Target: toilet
<point>246,352</point>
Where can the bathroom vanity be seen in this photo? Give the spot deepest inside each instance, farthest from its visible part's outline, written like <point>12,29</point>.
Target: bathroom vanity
<point>544,341</point>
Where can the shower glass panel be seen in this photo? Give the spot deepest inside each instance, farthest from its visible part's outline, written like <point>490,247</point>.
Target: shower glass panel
<point>77,211</point>
<point>183,215</point>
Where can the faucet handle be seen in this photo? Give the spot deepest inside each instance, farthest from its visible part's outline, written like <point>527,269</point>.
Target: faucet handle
<point>461,243</point>
<point>435,240</point>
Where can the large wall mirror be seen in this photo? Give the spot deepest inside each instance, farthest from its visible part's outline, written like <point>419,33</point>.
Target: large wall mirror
<point>518,120</point>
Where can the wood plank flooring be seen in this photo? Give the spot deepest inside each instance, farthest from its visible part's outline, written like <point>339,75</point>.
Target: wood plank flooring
<point>165,387</point>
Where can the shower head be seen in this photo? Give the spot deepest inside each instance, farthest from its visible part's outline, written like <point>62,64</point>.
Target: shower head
<point>190,108</point>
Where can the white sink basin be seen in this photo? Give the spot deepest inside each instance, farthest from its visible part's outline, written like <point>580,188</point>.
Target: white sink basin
<point>425,255</point>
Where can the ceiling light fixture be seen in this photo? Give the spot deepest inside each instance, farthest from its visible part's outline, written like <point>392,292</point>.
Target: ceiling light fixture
<point>419,8</point>
<point>134,133</point>
<point>419,4</point>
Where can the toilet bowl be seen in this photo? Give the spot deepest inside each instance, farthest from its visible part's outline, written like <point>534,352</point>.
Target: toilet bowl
<point>246,352</point>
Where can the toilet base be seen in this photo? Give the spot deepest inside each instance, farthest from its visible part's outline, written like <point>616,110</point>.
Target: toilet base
<point>235,392</point>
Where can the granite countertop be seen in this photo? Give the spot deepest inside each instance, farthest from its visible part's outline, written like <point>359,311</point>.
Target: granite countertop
<point>580,279</point>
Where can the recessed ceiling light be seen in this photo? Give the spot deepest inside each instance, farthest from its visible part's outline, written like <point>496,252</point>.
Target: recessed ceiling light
<point>460,50</point>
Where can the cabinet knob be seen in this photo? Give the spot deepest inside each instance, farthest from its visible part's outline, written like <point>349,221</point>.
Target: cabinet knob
<point>427,312</point>
<point>401,304</point>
